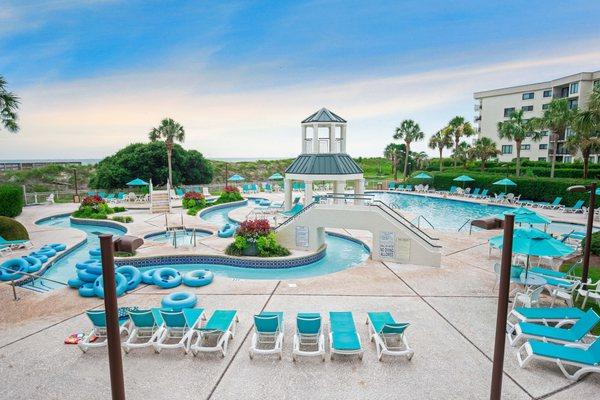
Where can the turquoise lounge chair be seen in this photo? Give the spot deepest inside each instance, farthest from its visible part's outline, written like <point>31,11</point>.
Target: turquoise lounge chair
<point>293,211</point>
<point>546,316</point>
<point>400,187</point>
<point>121,196</point>
<point>179,192</point>
<point>102,194</point>
<point>110,197</point>
<point>586,358</point>
<point>343,337</point>
<point>91,193</point>
<point>389,335</point>
<point>409,188</point>
<point>554,205</point>
<point>98,332</point>
<point>179,327</point>
<point>578,331</point>
<point>220,327</point>
<point>391,185</point>
<point>577,208</point>
<point>145,328</point>
<point>309,339</point>
<point>268,188</point>
<point>15,244</point>
<point>482,195</point>
<point>474,193</point>
<point>268,334</point>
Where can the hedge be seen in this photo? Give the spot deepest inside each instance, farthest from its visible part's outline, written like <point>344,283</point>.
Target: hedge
<point>536,189</point>
<point>11,229</point>
<point>11,200</point>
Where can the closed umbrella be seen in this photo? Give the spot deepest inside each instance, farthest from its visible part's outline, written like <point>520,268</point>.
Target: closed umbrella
<point>506,183</point>
<point>463,179</point>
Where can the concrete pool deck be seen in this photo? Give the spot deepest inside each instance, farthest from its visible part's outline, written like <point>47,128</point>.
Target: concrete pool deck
<point>451,310</point>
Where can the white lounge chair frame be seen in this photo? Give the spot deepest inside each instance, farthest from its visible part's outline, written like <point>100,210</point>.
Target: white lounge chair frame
<point>101,340</point>
<point>222,341</point>
<point>384,345</point>
<point>307,340</point>
<point>275,339</point>
<point>333,351</point>
<point>183,334</point>
<point>519,335</point>
<point>140,337</point>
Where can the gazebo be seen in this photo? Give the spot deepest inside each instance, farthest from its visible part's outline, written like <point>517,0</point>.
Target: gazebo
<point>323,157</point>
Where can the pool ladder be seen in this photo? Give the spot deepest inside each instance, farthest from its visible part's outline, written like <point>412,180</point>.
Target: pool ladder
<point>418,222</point>
<point>463,225</point>
<point>193,241</point>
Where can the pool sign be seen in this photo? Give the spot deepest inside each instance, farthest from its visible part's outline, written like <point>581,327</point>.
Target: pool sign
<point>387,244</point>
<point>301,236</point>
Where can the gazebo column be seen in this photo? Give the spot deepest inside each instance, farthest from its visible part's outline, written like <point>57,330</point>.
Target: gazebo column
<point>332,138</point>
<point>315,138</point>
<point>339,187</point>
<point>359,190</point>
<point>308,192</point>
<point>304,149</point>
<point>343,138</point>
<point>287,184</point>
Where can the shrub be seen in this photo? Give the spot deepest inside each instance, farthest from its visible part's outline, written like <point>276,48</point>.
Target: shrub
<point>11,229</point>
<point>93,207</point>
<point>118,209</point>
<point>256,233</point>
<point>123,218</point>
<point>124,254</point>
<point>595,246</point>
<point>268,247</point>
<point>11,200</point>
<point>193,200</point>
<point>230,194</point>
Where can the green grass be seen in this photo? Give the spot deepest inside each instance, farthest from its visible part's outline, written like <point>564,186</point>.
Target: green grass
<point>594,274</point>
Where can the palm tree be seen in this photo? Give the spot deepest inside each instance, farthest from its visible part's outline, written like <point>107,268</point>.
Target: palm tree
<point>9,103</point>
<point>459,128</point>
<point>484,148</point>
<point>461,154</point>
<point>518,129</point>
<point>557,117</point>
<point>441,140</point>
<point>394,152</point>
<point>170,131</point>
<point>409,131</point>
<point>421,159</point>
<point>587,131</point>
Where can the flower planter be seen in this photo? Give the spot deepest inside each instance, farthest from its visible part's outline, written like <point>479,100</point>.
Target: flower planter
<point>250,250</point>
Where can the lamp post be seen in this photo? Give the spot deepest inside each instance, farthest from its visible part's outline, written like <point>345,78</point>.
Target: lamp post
<point>76,195</point>
<point>589,228</point>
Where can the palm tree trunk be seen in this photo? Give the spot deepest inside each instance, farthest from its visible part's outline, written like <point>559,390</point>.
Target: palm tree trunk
<point>586,164</point>
<point>441,158</point>
<point>554,148</point>
<point>456,143</point>
<point>169,153</point>
<point>395,167</point>
<point>406,159</point>
<point>518,145</point>
<point>483,164</point>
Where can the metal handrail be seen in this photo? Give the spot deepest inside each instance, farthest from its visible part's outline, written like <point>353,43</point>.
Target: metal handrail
<point>463,225</point>
<point>386,206</point>
<point>418,219</point>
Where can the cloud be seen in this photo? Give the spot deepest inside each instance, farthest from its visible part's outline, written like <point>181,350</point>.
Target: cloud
<point>91,118</point>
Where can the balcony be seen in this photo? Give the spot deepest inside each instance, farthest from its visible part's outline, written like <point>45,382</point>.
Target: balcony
<point>477,118</point>
<point>477,107</point>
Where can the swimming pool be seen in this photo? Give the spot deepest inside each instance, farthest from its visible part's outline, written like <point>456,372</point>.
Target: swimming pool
<point>182,238</point>
<point>450,215</point>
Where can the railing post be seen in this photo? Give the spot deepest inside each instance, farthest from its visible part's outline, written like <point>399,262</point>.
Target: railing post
<point>14,290</point>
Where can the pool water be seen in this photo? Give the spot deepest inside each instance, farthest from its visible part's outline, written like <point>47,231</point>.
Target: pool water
<point>64,269</point>
<point>183,238</point>
<point>219,216</point>
<point>450,215</point>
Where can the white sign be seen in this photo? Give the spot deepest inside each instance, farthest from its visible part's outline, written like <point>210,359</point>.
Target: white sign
<point>402,249</point>
<point>301,236</point>
<point>387,244</point>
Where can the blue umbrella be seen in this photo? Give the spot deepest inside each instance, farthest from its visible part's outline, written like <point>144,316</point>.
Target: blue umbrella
<point>525,216</point>
<point>463,179</point>
<point>505,182</point>
<point>423,175</point>
<point>276,177</point>
<point>137,182</point>
<point>236,178</point>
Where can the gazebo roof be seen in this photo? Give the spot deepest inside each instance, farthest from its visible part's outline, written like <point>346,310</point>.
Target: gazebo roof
<point>324,115</point>
<point>324,164</point>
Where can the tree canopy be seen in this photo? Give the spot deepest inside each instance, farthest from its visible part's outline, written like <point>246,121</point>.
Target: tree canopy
<point>148,161</point>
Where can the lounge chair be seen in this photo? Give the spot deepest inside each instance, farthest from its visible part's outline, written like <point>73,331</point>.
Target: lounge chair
<point>178,326</point>
<point>16,244</point>
<point>145,329</point>
<point>343,337</point>
<point>591,291</point>
<point>408,188</point>
<point>451,191</point>
<point>220,327</point>
<point>474,193</point>
<point>586,358</point>
<point>293,211</point>
<point>578,331</point>
<point>554,205</point>
<point>482,195</point>
<point>110,197</point>
<point>267,188</point>
<point>498,198</point>
<point>391,185</point>
<point>268,334</point>
<point>309,339</point>
<point>91,193</point>
<point>399,187</point>
<point>389,335</point>
<point>557,316</point>
<point>577,208</point>
<point>102,194</point>
<point>121,196</point>
<point>97,336</point>
<point>5,249</point>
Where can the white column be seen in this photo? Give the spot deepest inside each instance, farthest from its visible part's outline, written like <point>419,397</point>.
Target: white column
<point>308,192</point>
<point>343,141</point>
<point>359,189</point>
<point>332,138</point>
<point>287,184</point>
<point>339,187</point>
<point>303,144</point>
<point>315,138</point>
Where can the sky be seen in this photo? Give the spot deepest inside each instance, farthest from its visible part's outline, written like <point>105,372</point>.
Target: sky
<point>96,75</point>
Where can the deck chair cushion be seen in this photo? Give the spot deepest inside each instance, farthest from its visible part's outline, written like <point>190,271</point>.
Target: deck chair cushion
<point>573,354</point>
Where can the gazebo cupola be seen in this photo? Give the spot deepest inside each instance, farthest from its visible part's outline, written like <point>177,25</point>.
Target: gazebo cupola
<point>323,157</point>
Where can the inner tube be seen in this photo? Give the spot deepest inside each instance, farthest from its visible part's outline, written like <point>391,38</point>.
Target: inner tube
<point>226,231</point>
<point>147,277</point>
<point>84,264</point>
<point>179,300</point>
<point>199,277</point>
<point>12,268</point>
<point>75,283</point>
<point>34,263</point>
<point>86,276</point>
<point>133,275</point>
<point>95,252</point>
<point>45,251</point>
<point>42,257</point>
<point>87,290</point>
<point>121,285</point>
<point>94,267</point>
<point>58,246</point>
<point>166,278</point>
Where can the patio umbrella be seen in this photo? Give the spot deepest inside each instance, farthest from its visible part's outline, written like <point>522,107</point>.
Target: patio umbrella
<point>505,182</point>
<point>137,182</point>
<point>276,177</point>
<point>463,179</point>
<point>423,175</point>
<point>525,216</point>
<point>236,178</point>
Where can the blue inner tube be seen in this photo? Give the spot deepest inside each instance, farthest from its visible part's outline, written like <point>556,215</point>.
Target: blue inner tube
<point>34,264</point>
<point>166,278</point>
<point>76,283</point>
<point>86,276</point>
<point>42,257</point>
<point>95,252</point>
<point>147,276</point>
<point>133,275</point>
<point>94,267</point>
<point>58,246</point>
<point>121,285</point>
<point>12,268</point>
<point>87,290</point>
<point>199,277</point>
<point>84,264</point>
<point>226,231</point>
<point>48,252</point>
<point>179,300</point>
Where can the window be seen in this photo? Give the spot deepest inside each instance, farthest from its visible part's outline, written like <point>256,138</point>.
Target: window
<point>525,147</point>
<point>573,104</point>
<point>544,133</point>
<point>574,88</point>
<point>527,108</point>
<point>543,146</point>
<point>528,96</point>
<point>508,111</point>
<point>548,93</point>
<point>545,106</point>
<point>507,149</point>
<point>541,158</point>
<point>564,92</point>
